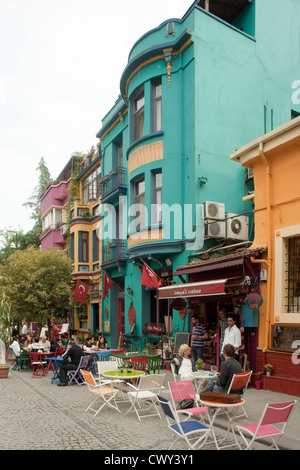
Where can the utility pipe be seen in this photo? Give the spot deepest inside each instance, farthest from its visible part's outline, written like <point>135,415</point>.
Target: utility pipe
<point>268,262</point>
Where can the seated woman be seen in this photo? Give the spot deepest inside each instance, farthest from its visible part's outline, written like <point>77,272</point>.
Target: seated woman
<point>184,363</point>
<point>28,342</point>
<point>102,343</point>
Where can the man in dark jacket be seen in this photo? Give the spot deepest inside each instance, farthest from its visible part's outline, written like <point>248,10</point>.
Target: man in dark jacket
<point>73,356</point>
<point>228,368</point>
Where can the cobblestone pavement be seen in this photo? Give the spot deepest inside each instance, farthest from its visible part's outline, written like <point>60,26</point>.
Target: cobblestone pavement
<point>38,415</point>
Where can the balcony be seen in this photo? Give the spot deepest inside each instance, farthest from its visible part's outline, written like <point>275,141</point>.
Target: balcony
<point>114,253</point>
<point>114,184</point>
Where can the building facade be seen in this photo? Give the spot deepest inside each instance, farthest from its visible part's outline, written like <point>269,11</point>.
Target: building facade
<point>84,241</point>
<point>193,90</point>
<point>274,158</point>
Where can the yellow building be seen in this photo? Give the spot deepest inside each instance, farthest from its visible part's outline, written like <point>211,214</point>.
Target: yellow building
<point>85,230</point>
<point>275,161</point>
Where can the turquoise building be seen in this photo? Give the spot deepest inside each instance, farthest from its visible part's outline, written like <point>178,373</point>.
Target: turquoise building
<point>194,90</point>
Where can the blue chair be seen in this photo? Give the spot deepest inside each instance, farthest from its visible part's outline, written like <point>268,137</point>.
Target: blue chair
<point>100,356</point>
<point>191,431</point>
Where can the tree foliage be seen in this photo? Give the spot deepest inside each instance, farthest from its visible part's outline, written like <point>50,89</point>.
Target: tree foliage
<point>37,283</point>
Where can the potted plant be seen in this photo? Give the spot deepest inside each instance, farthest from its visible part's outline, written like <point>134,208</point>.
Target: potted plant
<point>5,334</point>
<point>268,369</point>
<point>199,364</point>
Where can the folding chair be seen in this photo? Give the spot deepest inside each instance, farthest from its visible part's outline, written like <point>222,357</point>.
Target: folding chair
<point>100,356</point>
<point>37,364</point>
<point>58,352</point>
<point>153,363</point>
<point>185,391</point>
<point>277,413</point>
<point>148,388</point>
<point>104,393</point>
<point>240,382</point>
<point>75,375</point>
<point>175,376</point>
<point>188,430</point>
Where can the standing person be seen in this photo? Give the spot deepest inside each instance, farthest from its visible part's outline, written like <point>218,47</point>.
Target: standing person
<point>73,356</point>
<point>232,336</point>
<point>222,327</point>
<point>24,328</point>
<point>229,367</point>
<point>199,334</point>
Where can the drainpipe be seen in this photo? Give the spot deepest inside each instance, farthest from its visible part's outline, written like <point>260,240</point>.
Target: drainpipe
<point>269,261</point>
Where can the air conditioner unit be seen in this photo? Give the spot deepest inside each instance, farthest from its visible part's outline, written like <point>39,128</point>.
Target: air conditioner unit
<point>214,210</point>
<point>237,227</point>
<point>215,228</point>
<point>63,229</point>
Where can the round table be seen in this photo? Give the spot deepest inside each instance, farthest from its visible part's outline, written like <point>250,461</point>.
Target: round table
<point>117,374</point>
<point>201,376</point>
<point>217,407</point>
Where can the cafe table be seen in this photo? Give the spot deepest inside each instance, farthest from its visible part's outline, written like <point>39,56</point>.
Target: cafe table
<point>230,409</point>
<point>200,377</point>
<point>56,361</point>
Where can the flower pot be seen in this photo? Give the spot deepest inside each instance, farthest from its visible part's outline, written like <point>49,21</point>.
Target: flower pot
<point>4,369</point>
<point>268,373</point>
<point>258,384</point>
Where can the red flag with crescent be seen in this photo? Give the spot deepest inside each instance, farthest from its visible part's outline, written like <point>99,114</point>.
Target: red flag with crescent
<point>81,291</point>
<point>107,283</point>
<point>149,278</point>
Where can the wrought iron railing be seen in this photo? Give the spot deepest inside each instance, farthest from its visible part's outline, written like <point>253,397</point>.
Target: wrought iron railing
<point>115,180</point>
<point>114,251</point>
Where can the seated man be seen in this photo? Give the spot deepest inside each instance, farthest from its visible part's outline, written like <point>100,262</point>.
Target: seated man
<point>73,355</point>
<point>44,344</point>
<point>228,368</point>
<point>89,344</point>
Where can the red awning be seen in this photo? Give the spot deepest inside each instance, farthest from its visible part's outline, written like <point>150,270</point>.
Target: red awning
<point>194,289</point>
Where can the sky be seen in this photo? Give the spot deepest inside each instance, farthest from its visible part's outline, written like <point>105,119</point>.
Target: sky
<point>60,67</point>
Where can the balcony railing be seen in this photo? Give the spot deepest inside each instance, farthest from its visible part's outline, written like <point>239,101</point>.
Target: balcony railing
<point>114,182</point>
<point>114,252</point>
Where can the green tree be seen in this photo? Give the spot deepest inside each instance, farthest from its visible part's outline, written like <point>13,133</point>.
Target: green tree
<point>34,201</point>
<point>37,283</point>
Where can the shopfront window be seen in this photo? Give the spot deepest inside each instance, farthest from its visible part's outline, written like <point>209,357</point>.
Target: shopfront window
<point>285,338</point>
<point>293,275</point>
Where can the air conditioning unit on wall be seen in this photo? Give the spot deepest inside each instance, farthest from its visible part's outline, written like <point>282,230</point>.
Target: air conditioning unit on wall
<point>214,219</point>
<point>237,227</point>
<point>214,210</point>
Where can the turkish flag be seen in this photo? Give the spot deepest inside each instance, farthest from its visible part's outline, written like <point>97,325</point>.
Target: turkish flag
<point>81,291</point>
<point>107,283</point>
<point>149,277</point>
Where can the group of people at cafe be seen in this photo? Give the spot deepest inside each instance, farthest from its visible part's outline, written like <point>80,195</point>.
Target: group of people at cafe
<point>230,342</point>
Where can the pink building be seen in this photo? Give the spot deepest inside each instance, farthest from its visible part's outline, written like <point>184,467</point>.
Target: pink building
<point>53,209</point>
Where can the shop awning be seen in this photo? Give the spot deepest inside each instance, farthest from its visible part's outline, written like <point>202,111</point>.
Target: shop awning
<point>194,289</point>
<point>190,269</point>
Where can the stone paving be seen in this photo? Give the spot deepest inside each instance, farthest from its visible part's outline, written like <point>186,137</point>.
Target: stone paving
<point>38,415</point>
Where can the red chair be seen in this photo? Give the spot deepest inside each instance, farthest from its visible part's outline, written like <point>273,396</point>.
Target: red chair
<point>240,383</point>
<point>184,390</point>
<point>139,363</point>
<point>278,414</point>
<point>37,364</point>
<point>58,352</point>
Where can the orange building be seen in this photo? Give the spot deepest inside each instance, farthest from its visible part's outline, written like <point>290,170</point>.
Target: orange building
<point>275,161</point>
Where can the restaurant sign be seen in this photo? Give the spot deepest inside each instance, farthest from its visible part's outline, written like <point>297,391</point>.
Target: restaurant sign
<point>196,289</point>
<point>253,300</point>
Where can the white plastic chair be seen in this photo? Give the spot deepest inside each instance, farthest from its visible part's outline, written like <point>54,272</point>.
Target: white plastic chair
<point>278,414</point>
<point>145,394</point>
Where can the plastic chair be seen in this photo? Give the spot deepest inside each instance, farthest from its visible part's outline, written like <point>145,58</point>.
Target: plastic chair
<point>37,364</point>
<point>189,430</point>
<point>185,391</point>
<point>24,361</point>
<point>105,366</point>
<point>278,414</point>
<point>153,364</point>
<point>240,382</point>
<point>75,375</point>
<point>104,393</point>
<point>148,388</point>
